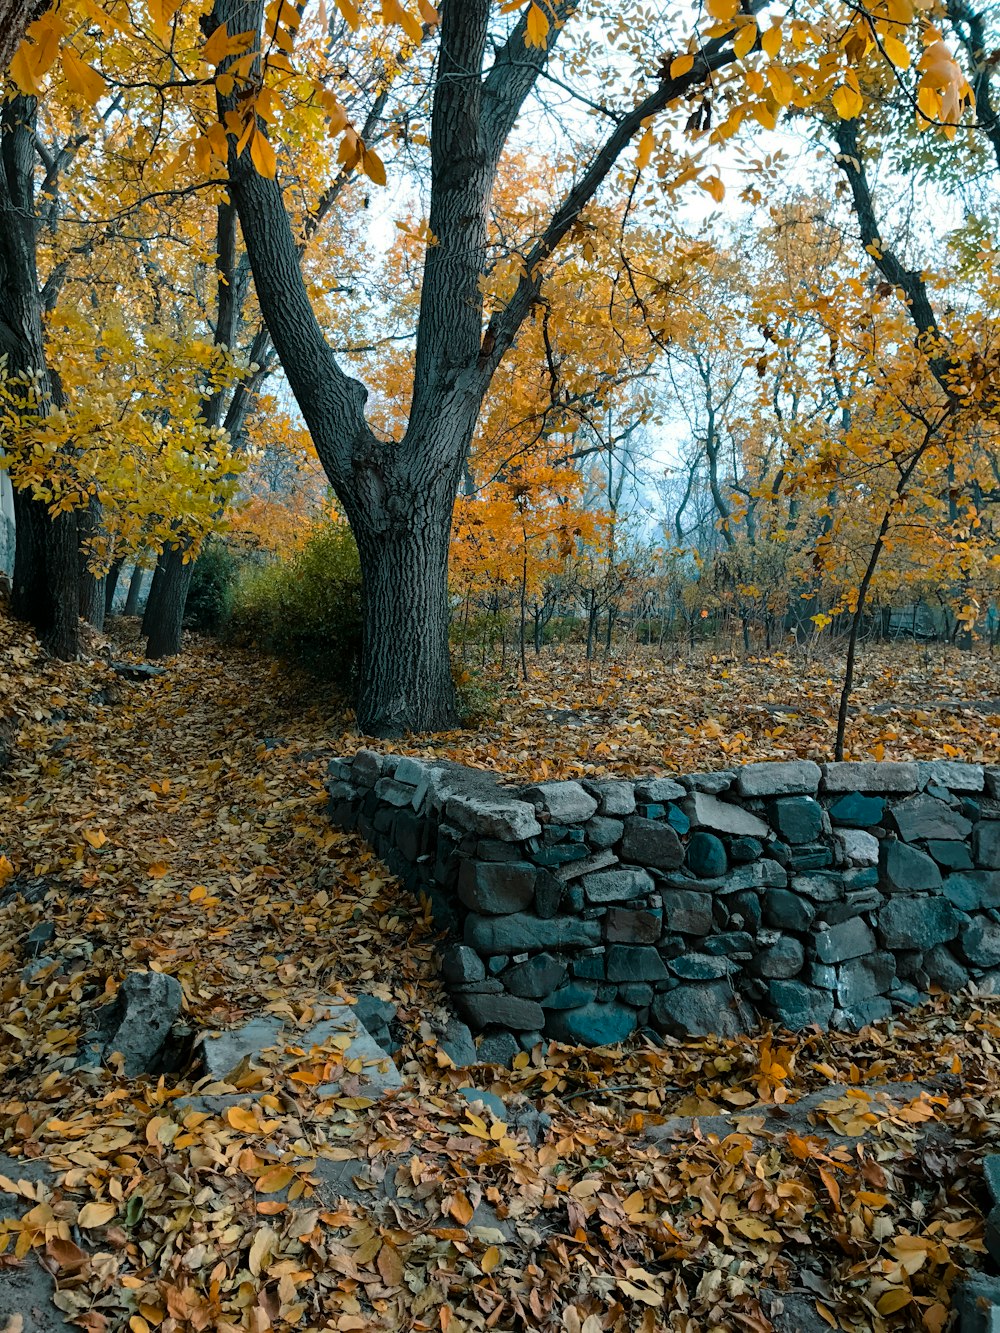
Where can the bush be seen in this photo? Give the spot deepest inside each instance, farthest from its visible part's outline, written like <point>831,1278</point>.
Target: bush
<point>307,609</point>
<point>213,579</point>
<point>476,697</point>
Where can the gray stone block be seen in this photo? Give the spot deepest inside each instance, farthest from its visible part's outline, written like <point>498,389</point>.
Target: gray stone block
<point>708,812</point>
<point>863,978</point>
<point>593,1024</point>
<point>706,855</point>
<point>461,965</point>
<point>798,819</point>
<point>498,1048</point>
<point>566,802</point>
<point>944,970</point>
<point>857,846</point>
<point>604,832</point>
<point>701,967</point>
<point>505,1011</point>
<point>523,931</point>
<point>536,977</point>
<point>778,778</point>
<point>952,774</point>
<point>494,816</point>
<point>904,869</point>
<point>659,789</point>
<point>651,842</point>
<point>924,817</point>
<point>139,1020</point>
<point>857,811</point>
<point>849,939</point>
<point>797,1006</point>
<point>699,1010</point>
<point>786,910</point>
<point>617,886</point>
<point>917,923</point>
<point>870,776</point>
<point>785,958</point>
<point>635,962</point>
<point>571,996</point>
<point>986,843</point>
<point>687,912</point>
<point>626,925</point>
<point>614,796</point>
<point>496,887</point>
<point>980,943</point>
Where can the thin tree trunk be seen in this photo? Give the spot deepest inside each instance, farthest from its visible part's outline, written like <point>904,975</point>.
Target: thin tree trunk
<point>111,585</point>
<point>92,587</point>
<point>135,590</point>
<point>155,590</point>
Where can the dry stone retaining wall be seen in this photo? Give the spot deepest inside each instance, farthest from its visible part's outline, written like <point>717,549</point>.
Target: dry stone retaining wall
<point>826,894</point>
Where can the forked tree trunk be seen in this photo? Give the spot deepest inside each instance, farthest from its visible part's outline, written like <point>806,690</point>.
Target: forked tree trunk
<point>406,682</point>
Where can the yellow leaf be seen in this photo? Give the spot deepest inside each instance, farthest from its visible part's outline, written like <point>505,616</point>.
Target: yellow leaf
<point>24,72</point>
<point>714,186</point>
<point>82,78</point>
<point>681,65</point>
<point>393,12</point>
<point>490,1259</point>
<point>157,870</point>
<point>260,1250</point>
<point>6,871</point>
<point>197,893</point>
<point>897,52</point>
<point>847,103</point>
<point>743,43</point>
<point>96,837</point>
<point>646,145</point>
<point>262,155</point>
<point>537,29</point>
<point>723,9</point>
<point>372,165</point>
<point>826,1315</point>
<point>634,1203</point>
<point>96,1214</point>
<point>216,48</point>
<point>240,1118</point>
<point>461,1209</point>
<point>350,13</point>
<point>891,1301</point>
<point>771,41</point>
<point>275,1180</point>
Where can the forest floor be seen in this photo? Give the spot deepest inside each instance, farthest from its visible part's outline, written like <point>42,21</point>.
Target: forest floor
<point>177,824</point>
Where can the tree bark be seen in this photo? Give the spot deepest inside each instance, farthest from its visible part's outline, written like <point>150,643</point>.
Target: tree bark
<point>155,590</point>
<point>135,590</point>
<point>15,15</point>
<point>45,584</point>
<point>111,586</point>
<point>167,618</point>
<point>92,587</point>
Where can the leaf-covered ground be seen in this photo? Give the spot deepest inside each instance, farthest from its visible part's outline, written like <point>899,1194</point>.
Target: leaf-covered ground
<point>178,824</point>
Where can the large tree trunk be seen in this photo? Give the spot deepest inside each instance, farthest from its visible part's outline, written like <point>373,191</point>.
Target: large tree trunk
<point>15,15</point>
<point>164,623</point>
<point>406,682</point>
<point>45,586</point>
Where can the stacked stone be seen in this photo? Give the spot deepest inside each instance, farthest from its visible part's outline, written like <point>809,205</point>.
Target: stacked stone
<point>585,910</point>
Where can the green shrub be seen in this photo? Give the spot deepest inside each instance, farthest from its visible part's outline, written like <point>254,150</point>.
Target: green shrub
<point>477,697</point>
<point>213,579</point>
<point>307,609</point>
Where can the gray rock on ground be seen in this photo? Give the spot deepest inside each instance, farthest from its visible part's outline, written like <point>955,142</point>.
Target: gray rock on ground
<point>138,1022</point>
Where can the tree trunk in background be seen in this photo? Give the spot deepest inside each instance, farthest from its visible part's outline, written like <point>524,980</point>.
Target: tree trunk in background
<point>93,592</point>
<point>155,589</point>
<point>173,579</point>
<point>111,586</point>
<point>135,590</point>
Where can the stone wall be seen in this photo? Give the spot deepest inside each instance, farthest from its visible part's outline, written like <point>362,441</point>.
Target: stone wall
<point>811,894</point>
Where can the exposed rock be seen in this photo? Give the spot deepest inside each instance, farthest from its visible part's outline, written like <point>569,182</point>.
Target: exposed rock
<point>798,819</point>
<point>366,768</point>
<point>706,855</point>
<point>951,855</point>
<point>700,1010</point>
<point>571,996</point>
<point>137,671</point>
<point>701,967</point>
<point>869,775</point>
<point>917,923</point>
<point>710,783</point>
<point>599,861</point>
<point>139,1021</point>
<point>744,850</point>
<point>951,774</point>
<point>903,868</point>
<point>456,1042</point>
<point>616,886</point>
<point>778,778</point>
<point>566,802</point>
<point>977,1299</point>
<point>924,817</point>
<point>496,887</point>
<point>495,817</point>
<point>37,938</point>
<point>592,1024</point>
<point>708,812</point>
<point>651,842</point>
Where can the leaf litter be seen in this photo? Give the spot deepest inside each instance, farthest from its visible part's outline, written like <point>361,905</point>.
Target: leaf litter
<point>178,824</point>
